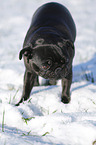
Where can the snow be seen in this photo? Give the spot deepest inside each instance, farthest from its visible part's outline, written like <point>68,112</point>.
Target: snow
<point>43,119</point>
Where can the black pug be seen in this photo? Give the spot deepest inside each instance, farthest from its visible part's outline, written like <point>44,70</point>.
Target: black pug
<point>48,49</point>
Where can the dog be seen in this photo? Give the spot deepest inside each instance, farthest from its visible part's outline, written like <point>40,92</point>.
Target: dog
<point>48,49</point>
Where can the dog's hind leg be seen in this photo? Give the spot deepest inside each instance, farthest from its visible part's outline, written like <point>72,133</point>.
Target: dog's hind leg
<point>49,82</point>
<point>52,82</point>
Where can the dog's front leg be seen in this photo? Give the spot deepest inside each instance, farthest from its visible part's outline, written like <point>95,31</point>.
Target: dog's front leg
<point>66,84</point>
<point>29,79</point>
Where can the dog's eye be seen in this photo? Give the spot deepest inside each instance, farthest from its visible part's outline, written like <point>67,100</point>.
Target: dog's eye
<point>47,64</point>
<point>66,60</point>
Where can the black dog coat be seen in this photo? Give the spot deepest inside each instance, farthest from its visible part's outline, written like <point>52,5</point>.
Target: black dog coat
<point>48,49</point>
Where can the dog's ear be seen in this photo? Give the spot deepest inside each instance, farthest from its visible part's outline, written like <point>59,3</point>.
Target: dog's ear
<point>69,44</point>
<point>66,43</point>
<point>70,47</point>
<point>26,51</point>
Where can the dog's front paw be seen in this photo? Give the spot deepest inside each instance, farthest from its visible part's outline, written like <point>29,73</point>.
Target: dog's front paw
<point>19,102</point>
<point>65,99</point>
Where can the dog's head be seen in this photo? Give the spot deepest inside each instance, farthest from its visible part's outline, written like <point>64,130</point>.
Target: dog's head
<point>51,61</point>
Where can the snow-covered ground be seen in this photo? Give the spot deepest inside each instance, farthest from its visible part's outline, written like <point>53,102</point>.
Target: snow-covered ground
<point>43,119</point>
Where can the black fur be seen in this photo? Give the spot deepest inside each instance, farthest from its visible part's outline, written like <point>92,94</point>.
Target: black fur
<point>48,49</point>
